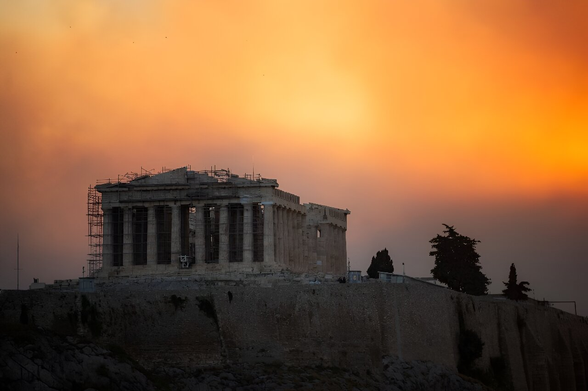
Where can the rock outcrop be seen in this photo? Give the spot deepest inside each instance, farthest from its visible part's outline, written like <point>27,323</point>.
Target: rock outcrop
<point>38,360</point>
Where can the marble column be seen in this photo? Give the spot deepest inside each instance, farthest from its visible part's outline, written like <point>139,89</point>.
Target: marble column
<point>106,238</point>
<point>151,236</point>
<point>279,233</point>
<point>295,248</point>
<point>306,244</point>
<point>284,228</point>
<point>299,245</point>
<point>344,245</point>
<point>290,238</point>
<point>200,242</point>
<point>290,235</point>
<point>268,233</point>
<point>295,239</point>
<point>128,237</point>
<point>176,237</point>
<point>314,251</point>
<point>284,253</point>
<point>248,233</point>
<point>223,254</point>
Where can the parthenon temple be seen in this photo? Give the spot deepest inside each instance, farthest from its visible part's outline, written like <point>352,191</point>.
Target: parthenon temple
<point>186,222</point>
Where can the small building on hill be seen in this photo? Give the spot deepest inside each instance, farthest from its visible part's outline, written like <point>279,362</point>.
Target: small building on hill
<point>404,279</point>
<point>214,222</point>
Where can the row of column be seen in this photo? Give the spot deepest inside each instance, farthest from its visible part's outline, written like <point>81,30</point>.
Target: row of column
<point>200,246</point>
<point>289,238</point>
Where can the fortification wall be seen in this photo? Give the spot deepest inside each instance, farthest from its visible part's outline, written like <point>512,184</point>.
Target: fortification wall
<point>346,325</point>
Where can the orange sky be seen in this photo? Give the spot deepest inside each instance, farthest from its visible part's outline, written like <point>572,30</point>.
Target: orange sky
<point>409,113</point>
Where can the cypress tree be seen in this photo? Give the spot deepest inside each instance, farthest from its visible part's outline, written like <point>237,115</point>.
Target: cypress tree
<point>457,263</point>
<point>514,290</point>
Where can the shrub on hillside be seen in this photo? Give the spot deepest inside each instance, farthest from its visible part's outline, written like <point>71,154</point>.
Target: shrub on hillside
<point>470,348</point>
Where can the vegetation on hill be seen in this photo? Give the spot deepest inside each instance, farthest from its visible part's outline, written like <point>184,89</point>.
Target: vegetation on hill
<point>380,263</point>
<point>457,263</point>
<point>514,290</point>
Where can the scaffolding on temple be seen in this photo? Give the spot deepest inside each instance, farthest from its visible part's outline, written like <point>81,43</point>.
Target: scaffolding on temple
<point>94,231</point>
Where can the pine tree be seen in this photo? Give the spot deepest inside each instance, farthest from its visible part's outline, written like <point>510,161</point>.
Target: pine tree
<point>380,263</point>
<point>514,290</point>
<point>457,263</point>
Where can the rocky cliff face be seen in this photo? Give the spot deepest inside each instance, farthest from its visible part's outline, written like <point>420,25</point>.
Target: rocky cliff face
<point>39,360</point>
<point>347,326</point>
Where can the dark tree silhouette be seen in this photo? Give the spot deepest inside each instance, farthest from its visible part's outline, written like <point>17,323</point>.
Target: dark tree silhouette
<point>380,263</point>
<point>457,263</point>
<point>514,290</point>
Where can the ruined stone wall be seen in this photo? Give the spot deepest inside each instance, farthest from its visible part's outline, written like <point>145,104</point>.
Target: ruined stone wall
<point>345,325</point>
<point>326,245</point>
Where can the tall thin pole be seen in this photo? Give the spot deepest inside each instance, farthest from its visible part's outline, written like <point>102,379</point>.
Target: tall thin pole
<point>17,263</point>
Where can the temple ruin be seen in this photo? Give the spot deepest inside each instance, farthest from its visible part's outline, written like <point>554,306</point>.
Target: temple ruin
<point>211,222</point>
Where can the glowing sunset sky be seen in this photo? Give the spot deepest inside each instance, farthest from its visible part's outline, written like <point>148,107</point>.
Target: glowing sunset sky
<point>409,113</point>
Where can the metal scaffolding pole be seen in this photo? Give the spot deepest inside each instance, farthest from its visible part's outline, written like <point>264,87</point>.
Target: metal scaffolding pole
<point>94,231</point>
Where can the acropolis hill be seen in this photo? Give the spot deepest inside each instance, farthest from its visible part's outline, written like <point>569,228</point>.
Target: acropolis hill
<point>354,327</point>
<point>207,269</point>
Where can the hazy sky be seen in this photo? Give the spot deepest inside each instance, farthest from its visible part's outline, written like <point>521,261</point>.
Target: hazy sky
<point>410,113</point>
